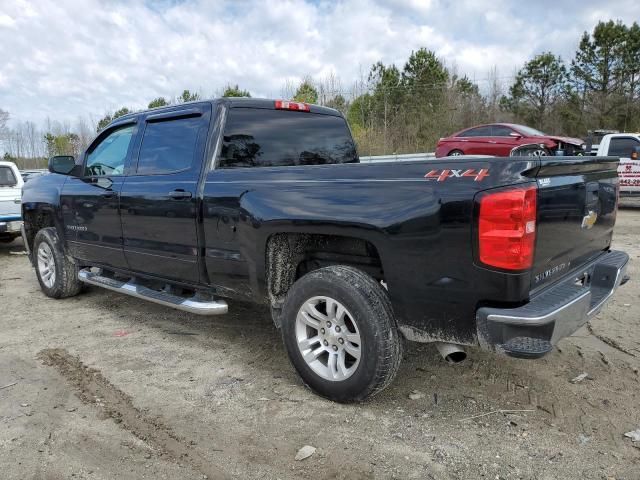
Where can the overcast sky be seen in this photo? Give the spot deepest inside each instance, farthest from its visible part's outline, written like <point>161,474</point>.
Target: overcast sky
<point>64,58</point>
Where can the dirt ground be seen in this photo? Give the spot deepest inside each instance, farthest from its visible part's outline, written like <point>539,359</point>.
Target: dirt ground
<point>104,386</point>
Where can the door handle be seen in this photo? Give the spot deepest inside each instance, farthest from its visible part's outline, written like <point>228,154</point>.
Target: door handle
<point>179,194</point>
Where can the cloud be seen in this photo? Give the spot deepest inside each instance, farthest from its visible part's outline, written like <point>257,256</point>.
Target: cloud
<point>64,58</point>
<point>6,21</point>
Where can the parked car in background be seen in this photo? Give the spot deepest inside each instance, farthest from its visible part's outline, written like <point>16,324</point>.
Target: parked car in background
<point>31,174</point>
<point>625,146</point>
<point>10,204</point>
<point>499,139</point>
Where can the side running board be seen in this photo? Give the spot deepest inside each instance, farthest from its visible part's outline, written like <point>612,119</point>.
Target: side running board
<point>192,305</point>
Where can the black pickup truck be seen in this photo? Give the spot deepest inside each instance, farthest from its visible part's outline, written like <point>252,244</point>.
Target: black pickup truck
<point>266,201</point>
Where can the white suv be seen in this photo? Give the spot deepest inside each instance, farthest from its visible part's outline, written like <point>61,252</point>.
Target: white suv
<point>10,194</point>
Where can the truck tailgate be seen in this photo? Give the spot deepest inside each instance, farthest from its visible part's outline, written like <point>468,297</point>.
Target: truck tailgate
<point>577,206</point>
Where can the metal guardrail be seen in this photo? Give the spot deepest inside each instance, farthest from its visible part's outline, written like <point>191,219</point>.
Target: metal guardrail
<point>407,157</point>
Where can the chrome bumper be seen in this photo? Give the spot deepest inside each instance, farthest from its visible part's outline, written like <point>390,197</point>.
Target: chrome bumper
<point>558,311</point>
<point>12,225</point>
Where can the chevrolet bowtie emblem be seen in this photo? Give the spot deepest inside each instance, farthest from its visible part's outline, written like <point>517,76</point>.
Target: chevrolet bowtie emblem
<point>589,219</point>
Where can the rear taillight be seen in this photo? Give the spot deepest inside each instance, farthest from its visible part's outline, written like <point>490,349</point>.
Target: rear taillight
<point>507,228</point>
<point>287,105</point>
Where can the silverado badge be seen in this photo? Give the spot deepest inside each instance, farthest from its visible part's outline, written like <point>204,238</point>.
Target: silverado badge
<point>589,219</point>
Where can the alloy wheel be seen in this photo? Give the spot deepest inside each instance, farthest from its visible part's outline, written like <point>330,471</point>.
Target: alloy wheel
<point>328,338</point>
<point>46,265</point>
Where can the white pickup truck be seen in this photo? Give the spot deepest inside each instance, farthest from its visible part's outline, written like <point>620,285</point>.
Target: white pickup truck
<point>10,208</point>
<point>625,146</point>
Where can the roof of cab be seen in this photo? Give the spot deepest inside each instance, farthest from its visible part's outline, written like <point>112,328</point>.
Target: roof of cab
<point>233,102</point>
<point>4,163</point>
<point>246,102</point>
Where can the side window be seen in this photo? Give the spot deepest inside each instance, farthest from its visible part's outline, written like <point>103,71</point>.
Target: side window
<point>108,156</point>
<point>500,131</point>
<point>168,146</point>
<point>621,146</point>
<point>7,178</point>
<point>466,133</point>
<point>274,138</point>
<point>477,132</point>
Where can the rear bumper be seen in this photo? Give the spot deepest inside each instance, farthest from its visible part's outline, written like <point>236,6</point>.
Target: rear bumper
<point>530,331</point>
<point>11,224</point>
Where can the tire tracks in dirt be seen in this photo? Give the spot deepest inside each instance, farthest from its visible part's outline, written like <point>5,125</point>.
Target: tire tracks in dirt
<point>609,341</point>
<point>95,390</point>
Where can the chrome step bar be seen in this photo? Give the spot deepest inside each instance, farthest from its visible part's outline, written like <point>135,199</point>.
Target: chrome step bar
<point>191,305</point>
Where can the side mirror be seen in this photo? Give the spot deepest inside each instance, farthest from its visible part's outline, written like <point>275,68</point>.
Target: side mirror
<point>515,135</point>
<point>62,164</point>
<point>635,153</point>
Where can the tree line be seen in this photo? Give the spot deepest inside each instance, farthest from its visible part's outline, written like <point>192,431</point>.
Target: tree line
<point>30,147</point>
<point>393,109</point>
<point>407,110</point>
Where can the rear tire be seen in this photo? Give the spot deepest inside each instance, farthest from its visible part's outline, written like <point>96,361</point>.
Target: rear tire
<point>341,318</point>
<point>455,153</point>
<point>57,273</point>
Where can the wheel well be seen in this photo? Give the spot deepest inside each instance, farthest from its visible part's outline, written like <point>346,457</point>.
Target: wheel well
<point>292,255</point>
<point>35,221</point>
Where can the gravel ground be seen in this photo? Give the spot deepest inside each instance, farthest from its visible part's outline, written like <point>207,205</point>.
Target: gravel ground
<point>103,386</point>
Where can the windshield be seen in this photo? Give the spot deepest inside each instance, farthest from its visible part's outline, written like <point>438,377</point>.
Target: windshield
<point>528,131</point>
<point>7,178</point>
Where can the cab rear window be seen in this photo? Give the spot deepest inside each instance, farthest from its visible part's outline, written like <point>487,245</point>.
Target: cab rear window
<point>7,178</point>
<point>622,146</point>
<point>275,138</point>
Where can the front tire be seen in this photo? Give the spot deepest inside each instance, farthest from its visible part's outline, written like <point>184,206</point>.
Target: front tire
<point>455,153</point>
<point>542,152</point>
<point>340,333</point>
<point>57,274</point>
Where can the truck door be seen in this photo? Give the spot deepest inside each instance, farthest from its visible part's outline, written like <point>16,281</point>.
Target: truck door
<point>159,198</point>
<point>480,141</point>
<point>91,202</point>
<point>502,140</point>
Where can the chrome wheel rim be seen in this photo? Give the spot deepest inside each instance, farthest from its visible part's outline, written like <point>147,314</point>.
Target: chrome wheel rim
<point>328,338</point>
<point>455,154</point>
<point>46,265</point>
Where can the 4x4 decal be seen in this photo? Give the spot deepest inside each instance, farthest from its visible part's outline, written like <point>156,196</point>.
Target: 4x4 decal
<point>442,175</point>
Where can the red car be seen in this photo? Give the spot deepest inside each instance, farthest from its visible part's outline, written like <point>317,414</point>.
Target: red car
<point>498,139</point>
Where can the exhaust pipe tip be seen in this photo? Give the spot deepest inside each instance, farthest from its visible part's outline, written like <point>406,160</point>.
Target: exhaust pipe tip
<point>451,352</point>
<point>456,357</point>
